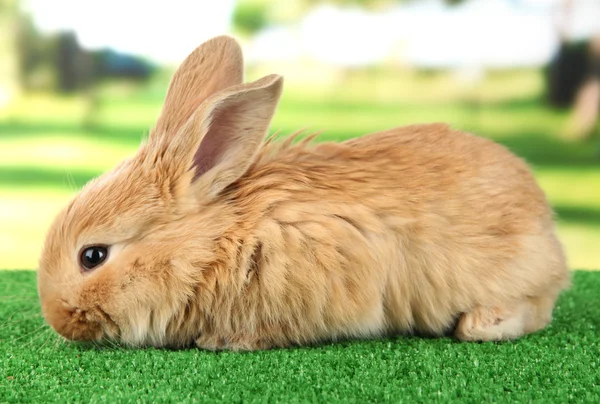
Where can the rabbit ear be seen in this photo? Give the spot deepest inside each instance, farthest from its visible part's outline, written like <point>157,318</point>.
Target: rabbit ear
<point>213,66</point>
<point>222,138</point>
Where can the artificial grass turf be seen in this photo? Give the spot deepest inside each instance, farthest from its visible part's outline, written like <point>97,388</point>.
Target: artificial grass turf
<point>559,364</point>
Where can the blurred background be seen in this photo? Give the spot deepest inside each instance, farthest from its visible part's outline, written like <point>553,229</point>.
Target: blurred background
<point>82,81</point>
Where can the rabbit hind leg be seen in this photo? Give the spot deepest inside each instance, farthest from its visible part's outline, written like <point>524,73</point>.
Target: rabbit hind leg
<point>505,323</point>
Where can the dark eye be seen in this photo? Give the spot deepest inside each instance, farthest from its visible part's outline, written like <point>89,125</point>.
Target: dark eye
<point>93,256</point>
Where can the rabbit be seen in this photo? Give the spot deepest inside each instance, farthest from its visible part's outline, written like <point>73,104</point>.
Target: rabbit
<point>213,235</point>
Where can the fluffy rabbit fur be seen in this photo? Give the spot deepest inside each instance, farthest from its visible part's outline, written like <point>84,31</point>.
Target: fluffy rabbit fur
<point>220,239</point>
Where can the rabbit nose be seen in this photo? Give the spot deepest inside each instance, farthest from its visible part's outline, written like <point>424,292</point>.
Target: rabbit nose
<point>73,323</point>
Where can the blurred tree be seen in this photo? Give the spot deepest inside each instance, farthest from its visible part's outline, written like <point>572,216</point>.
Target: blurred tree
<point>573,76</point>
<point>75,67</point>
<point>35,54</point>
<point>58,62</point>
<point>583,121</point>
<point>251,16</point>
<point>374,3</point>
<point>9,69</point>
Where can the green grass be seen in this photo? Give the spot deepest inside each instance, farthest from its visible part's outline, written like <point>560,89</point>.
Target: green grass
<point>46,153</point>
<point>558,364</point>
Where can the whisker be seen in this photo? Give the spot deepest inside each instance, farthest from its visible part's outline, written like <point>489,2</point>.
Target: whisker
<point>24,300</point>
<point>58,341</point>
<point>30,333</point>
<point>35,337</point>
<point>70,180</point>
<point>112,343</point>
<point>48,338</point>
<point>26,310</point>
<point>44,335</point>
<point>8,324</point>
<point>29,315</point>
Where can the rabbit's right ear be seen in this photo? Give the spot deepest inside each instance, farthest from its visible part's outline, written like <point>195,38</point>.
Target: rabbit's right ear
<point>219,142</point>
<point>213,66</point>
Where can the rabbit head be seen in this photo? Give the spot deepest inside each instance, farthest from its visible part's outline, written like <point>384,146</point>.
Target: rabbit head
<point>121,260</point>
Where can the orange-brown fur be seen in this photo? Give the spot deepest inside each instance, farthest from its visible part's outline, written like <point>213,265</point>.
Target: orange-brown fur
<point>420,229</point>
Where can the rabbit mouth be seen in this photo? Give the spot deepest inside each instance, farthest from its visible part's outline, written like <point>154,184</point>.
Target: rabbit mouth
<point>111,329</point>
<point>77,324</point>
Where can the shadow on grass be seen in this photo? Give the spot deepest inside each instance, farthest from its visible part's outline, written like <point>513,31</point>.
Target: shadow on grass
<point>578,214</point>
<point>23,177</point>
<point>75,179</point>
<point>119,134</point>
<point>541,154</point>
<point>335,104</point>
<point>538,149</point>
<point>19,177</point>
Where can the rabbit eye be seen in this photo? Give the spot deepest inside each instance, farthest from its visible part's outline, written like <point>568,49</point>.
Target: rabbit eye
<point>93,256</point>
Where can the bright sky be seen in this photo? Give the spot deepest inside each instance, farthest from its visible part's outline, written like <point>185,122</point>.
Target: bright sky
<point>482,32</point>
<point>162,30</point>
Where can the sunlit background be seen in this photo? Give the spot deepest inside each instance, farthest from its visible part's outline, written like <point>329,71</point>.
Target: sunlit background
<point>82,81</point>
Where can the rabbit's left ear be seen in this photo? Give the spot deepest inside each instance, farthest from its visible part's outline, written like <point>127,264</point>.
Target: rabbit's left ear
<point>221,140</point>
<point>212,67</point>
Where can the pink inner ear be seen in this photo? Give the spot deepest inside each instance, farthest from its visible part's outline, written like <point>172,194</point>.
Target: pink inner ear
<point>215,143</point>
<point>205,156</point>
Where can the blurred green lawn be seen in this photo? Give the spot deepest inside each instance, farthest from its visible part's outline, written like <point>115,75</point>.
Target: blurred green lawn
<point>46,153</point>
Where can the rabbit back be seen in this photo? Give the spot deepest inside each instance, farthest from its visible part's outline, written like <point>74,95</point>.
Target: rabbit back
<point>398,231</point>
